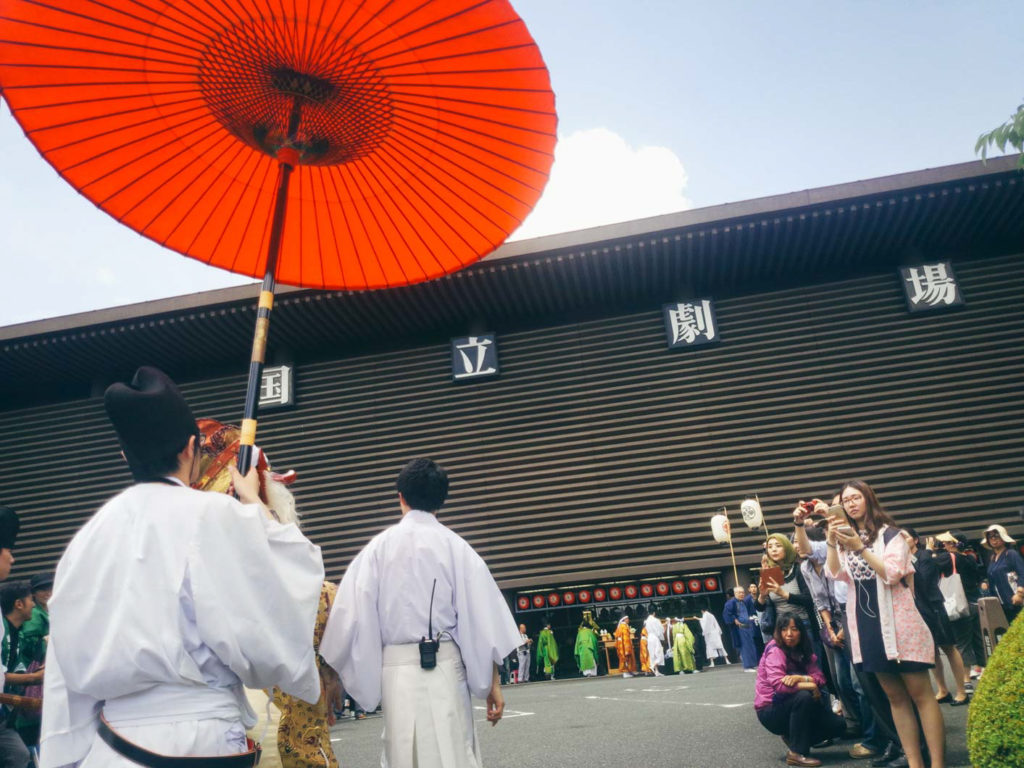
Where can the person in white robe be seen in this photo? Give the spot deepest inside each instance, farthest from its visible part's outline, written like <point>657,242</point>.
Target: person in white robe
<point>415,580</point>
<point>169,600</point>
<point>712,631</point>
<point>655,649</point>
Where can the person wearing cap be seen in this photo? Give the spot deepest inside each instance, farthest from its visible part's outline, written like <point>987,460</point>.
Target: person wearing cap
<point>1005,570</point>
<point>624,647</point>
<point>420,625</point>
<point>13,752</point>
<point>967,630</point>
<point>35,631</point>
<point>169,601</point>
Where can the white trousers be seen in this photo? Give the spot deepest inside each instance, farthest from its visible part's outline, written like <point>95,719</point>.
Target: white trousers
<point>428,713</point>
<point>524,665</point>
<point>185,737</point>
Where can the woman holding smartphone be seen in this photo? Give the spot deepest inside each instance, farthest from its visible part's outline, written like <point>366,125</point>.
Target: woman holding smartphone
<point>888,637</point>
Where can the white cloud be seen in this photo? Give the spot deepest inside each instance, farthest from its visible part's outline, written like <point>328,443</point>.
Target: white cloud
<point>598,178</point>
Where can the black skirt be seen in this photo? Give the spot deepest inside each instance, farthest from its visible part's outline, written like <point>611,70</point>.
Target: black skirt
<point>869,635</point>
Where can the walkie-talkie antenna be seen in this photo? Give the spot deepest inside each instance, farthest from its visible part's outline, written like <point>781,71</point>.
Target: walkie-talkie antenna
<point>430,614</point>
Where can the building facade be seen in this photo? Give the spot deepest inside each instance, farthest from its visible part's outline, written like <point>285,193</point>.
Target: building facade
<point>597,396</point>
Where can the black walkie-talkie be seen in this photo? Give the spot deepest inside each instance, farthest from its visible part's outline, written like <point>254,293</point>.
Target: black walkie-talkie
<point>428,644</point>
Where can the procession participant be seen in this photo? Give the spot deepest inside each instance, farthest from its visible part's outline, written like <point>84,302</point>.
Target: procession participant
<point>739,614</point>
<point>523,653</point>
<point>586,650</point>
<point>547,651</point>
<point>35,631</point>
<point>301,731</point>
<point>683,656</point>
<point>169,600</point>
<point>624,647</point>
<point>712,632</point>
<point>645,654</point>
<point>415,584</point>
<point>655,649</point>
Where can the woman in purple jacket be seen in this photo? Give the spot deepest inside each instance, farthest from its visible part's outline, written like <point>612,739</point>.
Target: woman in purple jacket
<point>788,697</point>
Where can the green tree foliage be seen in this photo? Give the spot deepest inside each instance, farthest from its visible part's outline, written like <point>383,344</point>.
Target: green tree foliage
<point>995,721</point>
<point>1009,133</point>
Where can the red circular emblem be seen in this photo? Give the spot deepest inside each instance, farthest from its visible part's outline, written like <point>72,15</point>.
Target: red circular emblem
<point>568,598</point>
<point>711,584</point>
<point>524,603</point>
<point>662,588</point>
<point>631,591</point>
<point>599,595</point>
<point>615,593</point>
<point>646,590</point>
<point>694,585</point>
<point>678,587</point>
<point>538,601</point>
<point>553,599</point>
<point>584,596</point>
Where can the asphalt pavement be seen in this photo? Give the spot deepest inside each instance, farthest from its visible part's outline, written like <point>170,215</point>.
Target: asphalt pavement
<point>704,720</point>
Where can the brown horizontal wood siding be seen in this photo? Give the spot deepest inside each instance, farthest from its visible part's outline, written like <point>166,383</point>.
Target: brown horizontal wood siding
<point>599,453</point>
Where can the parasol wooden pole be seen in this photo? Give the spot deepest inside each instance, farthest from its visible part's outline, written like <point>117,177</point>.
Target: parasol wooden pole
<point>764,518</point>
<point>732,555</point>
<point>287,158</point>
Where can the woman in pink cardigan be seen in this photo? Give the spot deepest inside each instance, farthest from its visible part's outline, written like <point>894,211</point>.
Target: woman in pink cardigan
<point>888,637</point>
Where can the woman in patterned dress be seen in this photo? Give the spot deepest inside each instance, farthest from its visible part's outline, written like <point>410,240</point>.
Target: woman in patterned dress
<point>888,637</point>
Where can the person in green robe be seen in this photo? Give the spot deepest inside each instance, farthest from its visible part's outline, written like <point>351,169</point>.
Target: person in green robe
<point>547,651</point>
<point>682,647</point>
<point>586,651</point>
<point>35,631</point>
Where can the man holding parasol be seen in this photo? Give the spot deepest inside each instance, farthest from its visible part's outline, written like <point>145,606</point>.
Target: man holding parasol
<point>169,601</point>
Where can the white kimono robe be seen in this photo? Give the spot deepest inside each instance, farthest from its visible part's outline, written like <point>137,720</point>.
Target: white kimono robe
<point>712,632</point>
<point>655,649</point>
<point>165,604</point>
<point>383,603</point>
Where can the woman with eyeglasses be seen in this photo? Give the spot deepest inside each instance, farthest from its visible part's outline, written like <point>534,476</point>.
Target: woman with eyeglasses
<point>1005,570</point>
<point>888,637</point>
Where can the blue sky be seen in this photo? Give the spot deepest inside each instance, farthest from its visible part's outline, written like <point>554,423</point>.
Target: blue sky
<point>663,105</point>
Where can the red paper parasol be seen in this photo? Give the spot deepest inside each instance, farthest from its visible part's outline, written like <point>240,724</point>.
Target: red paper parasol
<point>341,144</point>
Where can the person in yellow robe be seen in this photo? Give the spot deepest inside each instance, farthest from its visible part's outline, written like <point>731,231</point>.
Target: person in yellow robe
<point>624,647</point>
<point>682,647</point>
<point>645,654</point>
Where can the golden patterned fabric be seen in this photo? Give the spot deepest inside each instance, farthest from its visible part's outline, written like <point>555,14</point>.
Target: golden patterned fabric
<point>304,737</point>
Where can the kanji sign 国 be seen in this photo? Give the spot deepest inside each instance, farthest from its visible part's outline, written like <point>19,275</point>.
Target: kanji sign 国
<point>276,387</point>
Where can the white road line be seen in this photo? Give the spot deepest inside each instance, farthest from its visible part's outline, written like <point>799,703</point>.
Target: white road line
<point>507,714</point>
<point>668,701</point>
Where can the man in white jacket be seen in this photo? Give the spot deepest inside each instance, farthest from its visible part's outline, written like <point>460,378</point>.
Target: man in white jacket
<point>168,601</point>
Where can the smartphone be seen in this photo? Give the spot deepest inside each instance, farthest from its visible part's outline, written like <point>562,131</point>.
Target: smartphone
<point>836,512</point>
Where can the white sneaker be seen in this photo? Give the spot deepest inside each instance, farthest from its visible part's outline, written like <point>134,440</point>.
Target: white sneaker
<point>627,674</point>
<point>752,671</point>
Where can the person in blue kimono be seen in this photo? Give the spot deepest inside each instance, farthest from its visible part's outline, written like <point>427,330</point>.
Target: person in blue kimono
<point>739,616</point>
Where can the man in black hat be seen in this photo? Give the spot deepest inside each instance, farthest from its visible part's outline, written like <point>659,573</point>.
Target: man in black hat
<point>169,601</point>
<point>35,631</point>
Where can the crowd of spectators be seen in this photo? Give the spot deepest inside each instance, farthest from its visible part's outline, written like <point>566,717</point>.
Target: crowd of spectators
<point>860,613</point>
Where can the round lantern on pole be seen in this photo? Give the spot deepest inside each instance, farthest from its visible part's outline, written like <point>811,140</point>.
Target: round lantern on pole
<point>722,532</point>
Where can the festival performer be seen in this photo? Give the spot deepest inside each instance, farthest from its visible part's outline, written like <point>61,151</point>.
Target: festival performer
<point>683,656</point>
<point>170,600</point>
<point>547,651</point>
<point>302,731</point>
<point>624,648</point>
<point>586,650</point>
<point>738,613</point>
<point>655,649</point>
<point>420,623</point>
<point>645,654</point>
<point>712,631</point>
<point>37,629</point>
<point>12,748</point>
<point>523,653</point>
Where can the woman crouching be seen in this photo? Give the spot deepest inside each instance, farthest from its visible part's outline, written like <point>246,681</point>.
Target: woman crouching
<point>788,697</point>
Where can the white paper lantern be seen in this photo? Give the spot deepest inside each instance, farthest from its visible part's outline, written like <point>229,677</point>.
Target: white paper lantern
<point>720,528</point>
<point>751,511</point>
